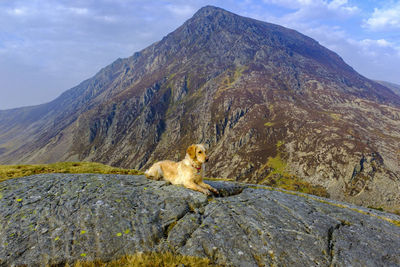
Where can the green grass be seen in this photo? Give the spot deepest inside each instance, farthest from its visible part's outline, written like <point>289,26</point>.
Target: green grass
<point>279,177</point>
<point>229,78</point>
<point>150,259</point>
<point>14,171</point>
<point>269,124</point>
<point>278,165</point>
<point>293,183</point>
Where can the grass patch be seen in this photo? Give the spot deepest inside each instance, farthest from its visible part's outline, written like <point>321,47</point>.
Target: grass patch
<point>277,164</point>
<point>150,259</point>
<point>293,183</point>
<point>376,208</point>
<point>220,179</point>
<point>269,124</point>
<point>279,177</point>
<point>14,171</point>
<point>335,116</point>
<point>230,77</point>
<point>280,143</point>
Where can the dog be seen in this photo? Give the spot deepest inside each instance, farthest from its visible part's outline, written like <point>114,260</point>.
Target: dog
<point>187,172</point>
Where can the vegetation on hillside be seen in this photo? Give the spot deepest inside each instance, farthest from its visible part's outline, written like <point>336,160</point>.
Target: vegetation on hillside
<point>150,259</point>
<point>279,177</point>
<point>13,171</point>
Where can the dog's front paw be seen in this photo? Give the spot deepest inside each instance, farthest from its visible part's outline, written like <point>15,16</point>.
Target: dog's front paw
<point>215,191</point>
<point>207,192</point>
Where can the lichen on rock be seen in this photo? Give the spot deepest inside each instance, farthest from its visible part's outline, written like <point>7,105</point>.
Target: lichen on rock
<point>63,218</point>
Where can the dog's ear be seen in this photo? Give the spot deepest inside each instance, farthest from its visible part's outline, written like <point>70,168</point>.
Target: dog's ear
<point>191,151</point>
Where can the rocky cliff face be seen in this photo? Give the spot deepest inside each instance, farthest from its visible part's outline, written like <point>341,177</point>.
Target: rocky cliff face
<point>61,218</point>
<point>269,101</point>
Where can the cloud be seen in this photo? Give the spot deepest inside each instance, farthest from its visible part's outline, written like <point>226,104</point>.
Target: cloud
<point>17,11</point>
<point>181,10</point>
<point>386,18</point>
<point>376,49</point>
<point>315,8</point>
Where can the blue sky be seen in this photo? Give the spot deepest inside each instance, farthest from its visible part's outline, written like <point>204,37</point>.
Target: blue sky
<point>49,46</point>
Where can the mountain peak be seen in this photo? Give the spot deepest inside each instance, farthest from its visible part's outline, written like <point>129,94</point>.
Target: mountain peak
<point>210,10</point>
<point>214,17</point>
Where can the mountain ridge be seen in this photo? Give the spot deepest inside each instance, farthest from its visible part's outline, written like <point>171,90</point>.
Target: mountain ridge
<point>270,102</point>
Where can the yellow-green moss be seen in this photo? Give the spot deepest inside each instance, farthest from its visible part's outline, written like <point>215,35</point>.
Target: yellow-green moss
<point>279,177</point>
<point>280,143</point>
<point>335,116</point>
<point>14,171</point>
<point>150,259</point>
<point>277,164</point>
<point>172,225</point>
<point>219,179</point>
<point>229,78</point>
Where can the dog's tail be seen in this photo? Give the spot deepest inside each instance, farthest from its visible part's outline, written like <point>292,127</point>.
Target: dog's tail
<point>154,173</point>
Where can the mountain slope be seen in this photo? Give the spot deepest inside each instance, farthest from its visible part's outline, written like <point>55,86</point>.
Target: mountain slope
<point>394,87</point>
<point>271,103</point>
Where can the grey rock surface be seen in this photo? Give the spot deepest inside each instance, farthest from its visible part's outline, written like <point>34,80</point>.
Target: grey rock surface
<point>60,218</point>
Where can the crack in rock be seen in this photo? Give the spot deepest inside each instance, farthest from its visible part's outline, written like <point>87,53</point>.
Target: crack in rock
<point>116,215</point>
<point>331,241</point>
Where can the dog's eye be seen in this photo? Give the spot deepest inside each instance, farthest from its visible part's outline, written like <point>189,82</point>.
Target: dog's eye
<point>200,152</point>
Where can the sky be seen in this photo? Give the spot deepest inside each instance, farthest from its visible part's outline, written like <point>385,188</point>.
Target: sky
<point>50,46</point>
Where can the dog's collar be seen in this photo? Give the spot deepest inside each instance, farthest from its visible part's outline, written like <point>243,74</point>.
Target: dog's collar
<point>197,168</point>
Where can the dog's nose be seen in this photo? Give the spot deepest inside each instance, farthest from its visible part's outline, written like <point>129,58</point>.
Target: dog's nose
<point>206,159</point>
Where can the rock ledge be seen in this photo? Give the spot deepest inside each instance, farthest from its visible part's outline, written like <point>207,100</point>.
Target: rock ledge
<point>60,218</point>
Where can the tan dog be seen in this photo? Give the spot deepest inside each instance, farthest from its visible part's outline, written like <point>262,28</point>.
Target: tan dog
<point>187,172</point>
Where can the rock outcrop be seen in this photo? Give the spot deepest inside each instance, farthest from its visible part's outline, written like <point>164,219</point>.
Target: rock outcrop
<point>60,218</point>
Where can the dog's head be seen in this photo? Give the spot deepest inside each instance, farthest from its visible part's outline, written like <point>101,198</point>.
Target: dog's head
<point>197,153</point>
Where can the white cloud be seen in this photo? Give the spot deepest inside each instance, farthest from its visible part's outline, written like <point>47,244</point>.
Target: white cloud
<point>77,10</point>
<point>385,19</point>
<point>17,11</point>
<point>379,43</point>
<point>290,3</point>
<point>308,15</point>
<point>181,10</point>
<point>341,7</point>
<point>379,50</point>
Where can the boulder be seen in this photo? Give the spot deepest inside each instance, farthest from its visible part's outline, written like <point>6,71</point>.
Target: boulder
<point>62,218</point>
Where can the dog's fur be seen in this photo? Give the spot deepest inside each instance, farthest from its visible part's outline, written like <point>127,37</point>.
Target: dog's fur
<point>188,172</point>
